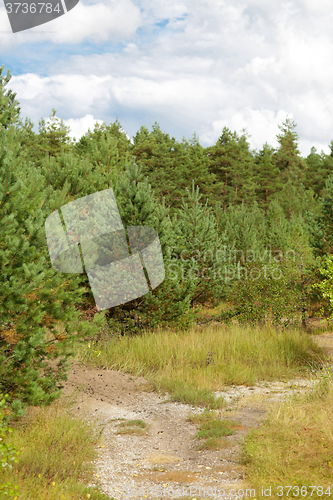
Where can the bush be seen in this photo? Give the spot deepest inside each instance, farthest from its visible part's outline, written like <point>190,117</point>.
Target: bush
<point>8,454</point>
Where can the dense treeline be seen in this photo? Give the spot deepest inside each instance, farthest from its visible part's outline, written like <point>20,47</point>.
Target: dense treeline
<point>251,230</point>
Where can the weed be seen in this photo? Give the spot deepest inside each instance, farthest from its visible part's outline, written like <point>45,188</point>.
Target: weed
<point>132,427</point>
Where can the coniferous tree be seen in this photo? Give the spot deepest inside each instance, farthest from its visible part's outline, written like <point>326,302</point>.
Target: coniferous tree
<point>295,199</point>
<point>76,175</point>
<point>327,169</point>
<point>86,146</point>
<point>287,157</point>
<point>34,298</point>
<point>54,136</point>
<point>316,172</point>
<point>271,265</point>
<point>9,107</point>
<point>199,247</point>
<point>171,166</point>
<point>232,163</point>
<point>321,225</point>
<point>169,303</point>
<point>266,176</point>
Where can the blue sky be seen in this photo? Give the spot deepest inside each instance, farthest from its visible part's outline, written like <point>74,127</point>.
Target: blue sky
<point>190,65</point>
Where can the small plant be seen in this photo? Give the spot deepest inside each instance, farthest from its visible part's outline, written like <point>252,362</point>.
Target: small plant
<point>193,396</point>
<point>212,430</point>
<point>132,427</point>
<point>215,429</point>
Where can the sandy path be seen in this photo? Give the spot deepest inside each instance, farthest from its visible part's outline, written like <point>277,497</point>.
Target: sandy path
<point>165,461</point>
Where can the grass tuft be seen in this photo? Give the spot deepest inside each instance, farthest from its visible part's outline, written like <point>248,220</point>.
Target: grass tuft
<point>294,446</point>
<point>212,429</point>
<point>57,451</point>
<point>132,427</point>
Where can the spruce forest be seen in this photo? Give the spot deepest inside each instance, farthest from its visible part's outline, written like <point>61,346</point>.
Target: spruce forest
<point>246,236</point>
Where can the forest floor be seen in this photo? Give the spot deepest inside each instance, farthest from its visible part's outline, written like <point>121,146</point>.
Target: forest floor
<point>165,459</point>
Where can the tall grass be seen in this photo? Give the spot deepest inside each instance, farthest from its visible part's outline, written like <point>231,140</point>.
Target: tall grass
<point>294,446</point>
<point>57,450</point>
<point>204,360</point>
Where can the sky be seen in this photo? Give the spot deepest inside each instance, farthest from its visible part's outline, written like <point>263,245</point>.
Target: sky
<point>193,66</point>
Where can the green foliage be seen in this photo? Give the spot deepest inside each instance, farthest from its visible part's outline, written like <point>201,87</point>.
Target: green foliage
<point>9,110</point>
<point>8,454</point>
<point>287,158</point>
<point>34,298</point>
<point>269,264</point>
<point>322,224</point>
<point>54,135</point>
<point>86,146</point>
<point>295,199</point>
<point>266,176</point>
<point>71,175</point>
<point>171,166</point>
<point>170,301</point>
<point>232,163</point>
<point>325,286</point>
<point>107,149</point>
<point>319,166</point>
<point>198,247</point>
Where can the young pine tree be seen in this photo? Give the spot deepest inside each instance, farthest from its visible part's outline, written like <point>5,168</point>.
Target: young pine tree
<point>34,299</point>
<point>199,247</point>
<point>169,303</point>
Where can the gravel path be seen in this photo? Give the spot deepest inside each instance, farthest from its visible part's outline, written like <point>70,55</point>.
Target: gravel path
<point>165,460</point>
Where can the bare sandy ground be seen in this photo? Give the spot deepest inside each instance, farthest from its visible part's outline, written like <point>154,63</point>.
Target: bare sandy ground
<point>165,462</point>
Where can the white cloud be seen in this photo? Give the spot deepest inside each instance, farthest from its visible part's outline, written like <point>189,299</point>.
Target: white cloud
<point>97,22</point>
<point>100,22</point>
<point>79,126</point>
<point>214,64</point>
<point>260,124</point>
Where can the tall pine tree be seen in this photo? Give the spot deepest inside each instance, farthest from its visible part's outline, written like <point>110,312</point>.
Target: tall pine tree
<point>232,163</point>
<point>287,157</point>
<point>9,107</point>
<point>266,176</point>
<point>171,166</point>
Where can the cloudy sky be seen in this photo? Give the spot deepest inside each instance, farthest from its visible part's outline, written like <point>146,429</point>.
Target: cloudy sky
<point>191,65</point>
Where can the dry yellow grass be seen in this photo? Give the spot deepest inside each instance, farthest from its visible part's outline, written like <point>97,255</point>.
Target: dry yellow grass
<point>57,450</point>
<point>294,446</point>
<point>190,365</point>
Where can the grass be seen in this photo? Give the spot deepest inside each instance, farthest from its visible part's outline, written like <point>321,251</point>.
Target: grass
<point>137,427</point>
<point>57,450</point>
<point>212,430</point>
<point>191,365</point>
<point>295,445</point>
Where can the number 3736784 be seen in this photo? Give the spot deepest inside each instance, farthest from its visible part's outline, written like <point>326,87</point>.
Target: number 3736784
<point>32,8</point>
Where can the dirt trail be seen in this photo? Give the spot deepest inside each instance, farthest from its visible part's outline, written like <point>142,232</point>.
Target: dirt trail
<point>165,461</point>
